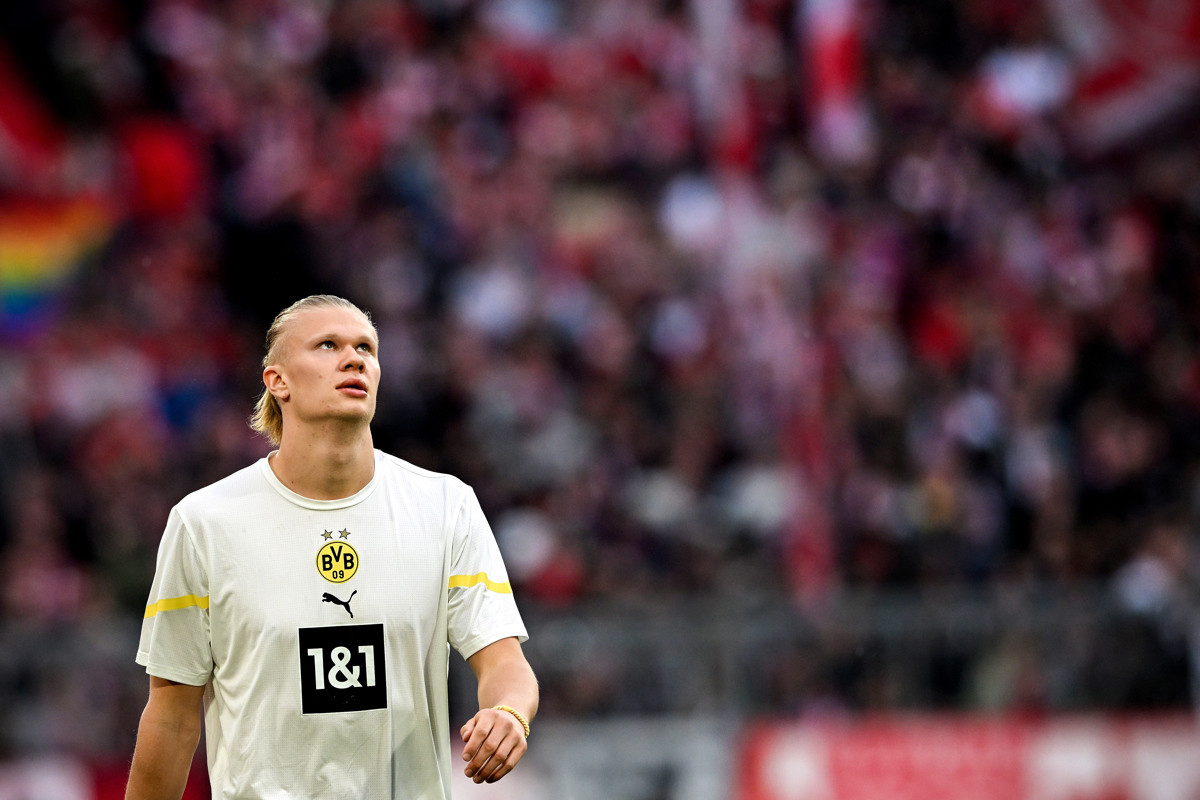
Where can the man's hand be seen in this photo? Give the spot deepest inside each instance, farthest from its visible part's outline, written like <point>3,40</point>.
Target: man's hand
<point>494,743</point>
<point>495,738</point>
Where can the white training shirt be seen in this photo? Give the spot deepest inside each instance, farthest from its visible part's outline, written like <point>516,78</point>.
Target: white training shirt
<point>322,629</point>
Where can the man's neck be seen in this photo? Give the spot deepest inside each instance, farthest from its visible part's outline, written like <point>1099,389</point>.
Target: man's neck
<point>325,467</point>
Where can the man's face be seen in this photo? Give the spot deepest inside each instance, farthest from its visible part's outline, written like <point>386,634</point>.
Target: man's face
<point>328,368</point>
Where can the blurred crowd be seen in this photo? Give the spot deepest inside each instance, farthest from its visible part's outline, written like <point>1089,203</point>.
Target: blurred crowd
<point>678,350</point>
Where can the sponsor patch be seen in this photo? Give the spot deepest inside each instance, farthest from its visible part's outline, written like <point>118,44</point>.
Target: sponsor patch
<point>342,668</point>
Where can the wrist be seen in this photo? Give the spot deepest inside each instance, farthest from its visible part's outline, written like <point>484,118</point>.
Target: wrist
<point>519,716</point>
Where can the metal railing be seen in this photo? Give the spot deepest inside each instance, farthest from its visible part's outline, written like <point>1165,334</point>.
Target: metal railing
<point>75,687</point>
<point>1034,648</point>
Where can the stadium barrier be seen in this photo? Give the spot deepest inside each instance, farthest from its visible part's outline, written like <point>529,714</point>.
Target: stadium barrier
<point>892,756</point>
<point>972,758</point>
<point>65,777</point>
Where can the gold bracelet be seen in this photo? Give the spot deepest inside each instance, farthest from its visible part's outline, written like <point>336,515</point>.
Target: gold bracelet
<point>520,717</point>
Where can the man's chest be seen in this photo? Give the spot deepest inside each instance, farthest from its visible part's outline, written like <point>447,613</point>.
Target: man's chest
<point>328,568</point>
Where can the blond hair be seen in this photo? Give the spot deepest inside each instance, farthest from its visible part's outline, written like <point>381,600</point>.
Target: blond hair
<point>267,418</point>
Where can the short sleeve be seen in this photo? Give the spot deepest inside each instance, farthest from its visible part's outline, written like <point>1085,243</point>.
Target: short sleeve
<point>175,642</point>
<point>481,607</point>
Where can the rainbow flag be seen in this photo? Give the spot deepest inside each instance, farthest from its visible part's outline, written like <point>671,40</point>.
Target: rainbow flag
<point>43,240</point>
<point>43,243</point>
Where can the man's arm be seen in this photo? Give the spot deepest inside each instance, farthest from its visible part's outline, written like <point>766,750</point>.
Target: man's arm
<point>495,740</point>
<point>166,741</point>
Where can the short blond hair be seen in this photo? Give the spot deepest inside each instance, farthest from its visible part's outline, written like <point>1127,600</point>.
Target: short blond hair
<point>267,418</point>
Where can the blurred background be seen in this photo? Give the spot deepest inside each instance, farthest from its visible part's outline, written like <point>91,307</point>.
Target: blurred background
<point>829,370</point>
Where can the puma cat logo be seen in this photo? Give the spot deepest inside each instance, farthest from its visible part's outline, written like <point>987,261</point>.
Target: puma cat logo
<point>328,598</point>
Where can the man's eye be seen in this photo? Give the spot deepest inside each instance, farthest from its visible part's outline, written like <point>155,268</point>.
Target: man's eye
<point>365,348</point>
<point>327,344</point>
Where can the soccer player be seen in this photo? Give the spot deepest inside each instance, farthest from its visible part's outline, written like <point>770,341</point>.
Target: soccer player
<point>305,605</point>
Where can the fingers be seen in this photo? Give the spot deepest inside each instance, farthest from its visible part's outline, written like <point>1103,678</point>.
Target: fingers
<point>494,745</point>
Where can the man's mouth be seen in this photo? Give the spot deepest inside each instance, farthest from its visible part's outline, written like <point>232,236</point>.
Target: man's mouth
<point>354,387</point>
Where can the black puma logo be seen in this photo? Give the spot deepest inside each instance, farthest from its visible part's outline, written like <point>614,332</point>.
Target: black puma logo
<point>328,598</point>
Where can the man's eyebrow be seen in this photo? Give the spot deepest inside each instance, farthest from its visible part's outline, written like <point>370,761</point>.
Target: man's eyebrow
<point>374,340</point>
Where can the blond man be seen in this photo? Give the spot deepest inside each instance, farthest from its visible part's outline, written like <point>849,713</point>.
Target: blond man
<point>304,607</point>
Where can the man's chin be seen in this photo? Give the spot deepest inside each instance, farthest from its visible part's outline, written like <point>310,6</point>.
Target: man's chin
<point>346,418</point>
<point>360,418</point>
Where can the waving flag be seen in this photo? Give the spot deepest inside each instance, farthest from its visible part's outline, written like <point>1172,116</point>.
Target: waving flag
<point>43,238</point>
<point>42,243</point>
<point>30,141</point>
<point>1138,62</point>
<point>831,36</point>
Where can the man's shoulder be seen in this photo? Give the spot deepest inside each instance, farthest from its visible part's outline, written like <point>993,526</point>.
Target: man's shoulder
<point>245,483</point>
<point>399,469</point>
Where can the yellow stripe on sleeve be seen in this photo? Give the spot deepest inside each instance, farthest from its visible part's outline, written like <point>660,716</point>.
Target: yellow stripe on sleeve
<point>175,603</point>
<point>479,577</point>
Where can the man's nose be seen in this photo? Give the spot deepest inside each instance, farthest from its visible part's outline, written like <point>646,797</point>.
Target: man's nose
<point>355,360</point>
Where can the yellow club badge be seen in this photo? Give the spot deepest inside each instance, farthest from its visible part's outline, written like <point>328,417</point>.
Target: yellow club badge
<point>337,561</point>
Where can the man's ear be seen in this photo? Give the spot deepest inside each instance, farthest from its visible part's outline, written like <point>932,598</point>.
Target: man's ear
<point>275,382</point>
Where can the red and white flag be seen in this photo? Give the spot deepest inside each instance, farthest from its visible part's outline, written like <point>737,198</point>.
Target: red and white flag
<point>30,140</point>
<point>1137,62</point>
<point>831,37</point>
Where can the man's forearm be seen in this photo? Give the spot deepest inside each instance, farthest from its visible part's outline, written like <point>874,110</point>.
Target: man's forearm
<point>163,756</point>
<point>161,760</point>
<point>510,682</point>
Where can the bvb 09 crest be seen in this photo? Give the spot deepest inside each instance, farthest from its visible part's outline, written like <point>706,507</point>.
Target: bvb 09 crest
<point>337,561</point>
